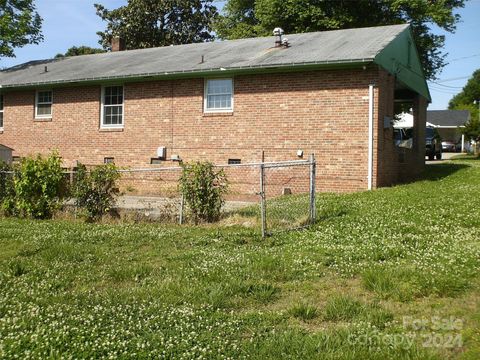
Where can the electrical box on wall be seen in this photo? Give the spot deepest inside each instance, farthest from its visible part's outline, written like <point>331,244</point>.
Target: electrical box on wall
<point>176,157</point>
<point>162,152</point>
<point>387,122</point>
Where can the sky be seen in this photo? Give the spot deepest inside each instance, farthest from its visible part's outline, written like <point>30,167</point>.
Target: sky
<point>69,23</point>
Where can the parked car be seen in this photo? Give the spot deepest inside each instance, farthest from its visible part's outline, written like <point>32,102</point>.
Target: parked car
<point>449,146</point>
<point>433,144</point>
<point>403,137</point>
<point>466,146</point>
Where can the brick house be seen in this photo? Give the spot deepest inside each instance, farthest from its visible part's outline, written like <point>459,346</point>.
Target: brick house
<point>330,93</point>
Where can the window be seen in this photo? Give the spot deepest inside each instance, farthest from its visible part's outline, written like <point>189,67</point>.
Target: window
<point>112,107</point>
<point>234,161</point>
<point>219,95</point>
<point>43,104</point>
<point>109,160</point>
<point>1,111</point>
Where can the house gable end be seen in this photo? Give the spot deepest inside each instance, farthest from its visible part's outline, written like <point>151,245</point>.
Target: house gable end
<point>400,58</point>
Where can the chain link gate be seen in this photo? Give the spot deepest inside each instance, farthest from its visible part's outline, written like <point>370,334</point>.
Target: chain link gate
<point>280,208</point>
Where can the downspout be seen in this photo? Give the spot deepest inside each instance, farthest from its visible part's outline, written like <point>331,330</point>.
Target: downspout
<point>370,136</point>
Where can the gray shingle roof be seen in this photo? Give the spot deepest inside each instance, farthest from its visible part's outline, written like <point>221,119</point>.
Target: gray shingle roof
<point>448,117</point>
<point>328,47</point>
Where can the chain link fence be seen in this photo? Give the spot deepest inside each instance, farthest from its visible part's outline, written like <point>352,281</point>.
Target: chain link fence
<point>287,195</point>
<point>270,196</point>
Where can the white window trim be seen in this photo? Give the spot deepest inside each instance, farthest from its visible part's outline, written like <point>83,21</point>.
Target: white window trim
<point>43,103</point>
<point>2,112</point>
<point>102,107</point>
<point>205,97</point>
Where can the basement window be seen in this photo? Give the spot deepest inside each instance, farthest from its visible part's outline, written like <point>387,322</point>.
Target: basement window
<point>112,107</point>
<point>234,161</point>
<point>1,112</point>
<point>43,104</point>
<point>157,161</point>
<point>218,95</point>
<point>109,160</point>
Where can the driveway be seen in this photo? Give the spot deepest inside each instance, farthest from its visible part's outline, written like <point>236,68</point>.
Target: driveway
<point>445,156</point>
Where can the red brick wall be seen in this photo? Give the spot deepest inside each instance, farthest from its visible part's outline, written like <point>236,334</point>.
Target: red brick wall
<point>395,165</point>
<point>325,112</point>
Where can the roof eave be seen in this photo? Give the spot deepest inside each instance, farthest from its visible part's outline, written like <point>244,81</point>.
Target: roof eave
<point>258,69</point>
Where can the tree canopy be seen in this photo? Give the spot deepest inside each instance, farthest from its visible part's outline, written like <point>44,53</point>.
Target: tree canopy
<point>464,100</point>
<point>151,23</point>
<point>249,18</point>
<point>80,50</point>
<point>20,25</point>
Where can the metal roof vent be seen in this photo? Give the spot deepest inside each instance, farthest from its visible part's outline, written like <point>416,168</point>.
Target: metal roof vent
<point>278,33</point>
<point>279,41</point>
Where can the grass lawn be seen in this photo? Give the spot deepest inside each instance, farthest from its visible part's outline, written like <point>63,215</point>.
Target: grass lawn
<point>388,274</point>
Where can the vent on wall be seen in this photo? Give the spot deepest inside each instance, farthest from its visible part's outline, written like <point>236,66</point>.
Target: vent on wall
<point>156,161</point>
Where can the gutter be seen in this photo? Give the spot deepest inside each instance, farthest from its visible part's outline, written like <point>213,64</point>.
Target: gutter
<point>370,136</point>
<point>200,73</point>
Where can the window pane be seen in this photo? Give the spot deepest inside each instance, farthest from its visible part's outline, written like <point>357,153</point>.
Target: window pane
<point>44,109</point>
<point>44,97</point>
<point>112,115</point>
<point>1,119</point>
<point>113,95</point>
<point>223,86</point>
<point>219,102</point>
<point>1,102</point>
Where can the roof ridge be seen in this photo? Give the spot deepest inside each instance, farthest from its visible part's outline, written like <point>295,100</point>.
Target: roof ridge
<point>206,43</point>
<point>320,48</point>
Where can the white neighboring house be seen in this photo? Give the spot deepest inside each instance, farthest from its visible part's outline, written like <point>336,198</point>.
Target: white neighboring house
<point>405,121</point>
<point>448,123</point>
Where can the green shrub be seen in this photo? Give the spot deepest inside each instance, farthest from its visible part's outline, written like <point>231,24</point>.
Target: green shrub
<point>39,187</point>
<point>203,189</point>
<point>96,191</point>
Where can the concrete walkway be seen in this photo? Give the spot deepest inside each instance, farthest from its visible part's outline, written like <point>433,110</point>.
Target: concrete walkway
<point>445,156</point>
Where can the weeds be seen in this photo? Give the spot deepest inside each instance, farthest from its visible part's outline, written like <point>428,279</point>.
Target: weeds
<point>304,311</point>
<point>76,290</point>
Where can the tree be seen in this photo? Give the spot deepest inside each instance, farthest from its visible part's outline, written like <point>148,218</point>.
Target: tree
<point>151,23</point>
<point>80,50</point>
<point>247,18</point>
<point>464,100</point>
<point>20,25</point>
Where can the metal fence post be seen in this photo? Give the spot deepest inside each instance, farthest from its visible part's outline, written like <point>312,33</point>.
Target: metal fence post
<point>182,205</point>
<point>313,209</point>
<point>262,201</point>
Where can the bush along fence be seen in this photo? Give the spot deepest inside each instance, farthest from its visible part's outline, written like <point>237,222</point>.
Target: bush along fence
<point>280,195</point>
